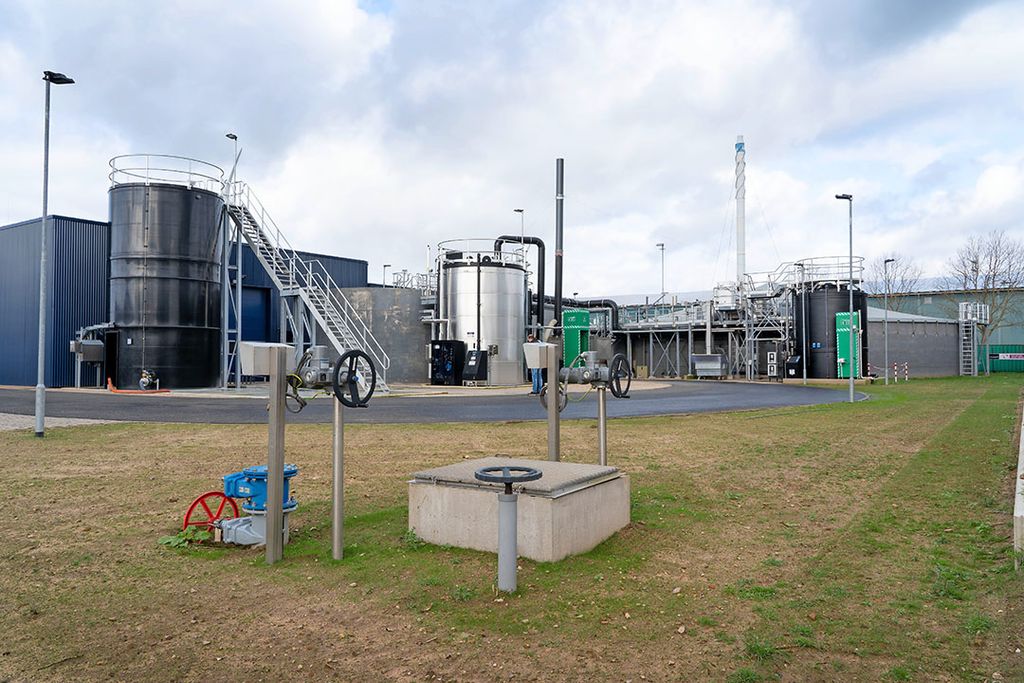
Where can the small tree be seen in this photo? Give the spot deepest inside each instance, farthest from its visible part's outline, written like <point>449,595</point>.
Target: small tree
<point>987,268</point>
<point>900,276</point>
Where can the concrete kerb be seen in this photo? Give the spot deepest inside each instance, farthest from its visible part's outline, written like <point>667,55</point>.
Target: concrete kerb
<point>1018,502</point>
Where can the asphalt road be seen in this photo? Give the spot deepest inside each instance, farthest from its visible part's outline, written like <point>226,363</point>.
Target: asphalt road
<point>677,398</point>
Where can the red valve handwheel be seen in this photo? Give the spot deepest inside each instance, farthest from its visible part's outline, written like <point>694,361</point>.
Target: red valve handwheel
<point>207,509</point>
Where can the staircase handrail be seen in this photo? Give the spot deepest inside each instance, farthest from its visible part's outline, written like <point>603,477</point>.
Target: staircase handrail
<point>303,272</point>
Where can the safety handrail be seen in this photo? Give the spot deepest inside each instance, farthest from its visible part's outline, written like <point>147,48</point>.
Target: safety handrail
<point>308,273</point>
<point>165,168</point>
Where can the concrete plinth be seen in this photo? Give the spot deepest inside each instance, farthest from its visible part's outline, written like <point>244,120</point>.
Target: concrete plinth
<point>569,510</point>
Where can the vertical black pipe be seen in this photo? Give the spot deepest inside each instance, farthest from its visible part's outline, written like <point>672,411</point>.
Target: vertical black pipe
<point>559,192</point>
<point>478,302</point>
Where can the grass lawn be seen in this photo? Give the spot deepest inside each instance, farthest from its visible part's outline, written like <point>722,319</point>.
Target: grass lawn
<point>843,542</point>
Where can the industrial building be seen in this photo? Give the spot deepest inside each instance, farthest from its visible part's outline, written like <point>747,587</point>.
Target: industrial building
<point>191,264</point>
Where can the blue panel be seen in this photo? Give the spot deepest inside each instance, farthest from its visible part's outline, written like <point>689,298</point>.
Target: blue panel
<point>78,290</point>
<point>78,257</point>
<point>256,314</point>
<point>19,302</point>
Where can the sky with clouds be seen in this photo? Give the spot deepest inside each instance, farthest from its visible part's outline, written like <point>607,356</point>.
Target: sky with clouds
<point>372,129</point>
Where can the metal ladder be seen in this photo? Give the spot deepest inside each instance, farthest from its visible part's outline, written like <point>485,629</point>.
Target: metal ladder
<point>968,349</point>
<point>308,280</point>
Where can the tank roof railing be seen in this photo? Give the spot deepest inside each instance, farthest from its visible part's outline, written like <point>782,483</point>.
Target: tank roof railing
<point>166,168</point>
<point>808,270</point>
<point>472,250</point>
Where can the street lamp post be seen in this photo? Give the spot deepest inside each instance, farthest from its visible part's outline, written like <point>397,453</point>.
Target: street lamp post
<point>661,246</point>
<point>849,288</point>
<point>803,320</point>
<point>384,275</point>
<point>54,78</point>
<point>885,323</point>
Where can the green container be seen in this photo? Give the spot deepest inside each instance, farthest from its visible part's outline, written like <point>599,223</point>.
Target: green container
<point>843,345</point>
<point>575,335</point>
<point>1003,358</point>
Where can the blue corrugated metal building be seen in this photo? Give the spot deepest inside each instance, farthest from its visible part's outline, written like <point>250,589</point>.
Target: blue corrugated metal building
<point>77,272</point>
<point>79,269</point>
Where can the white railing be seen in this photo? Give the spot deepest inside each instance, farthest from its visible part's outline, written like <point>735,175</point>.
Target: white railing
<point>476,249</point>
<point>971,311</point>
<point>815,269</point>
<point>309,274</point>
<point>166,168</point>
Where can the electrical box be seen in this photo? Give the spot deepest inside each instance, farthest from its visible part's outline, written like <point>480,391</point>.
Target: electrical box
<point>575,336</point>
<point>447,358</point>
<point>255,356</point>
<point>537,354</point>
<point>476,367</point>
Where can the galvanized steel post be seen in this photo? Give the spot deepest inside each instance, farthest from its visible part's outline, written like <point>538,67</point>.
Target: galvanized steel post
<point>602,425</point>
<point>275,454</point>
<point>338,484</point>
<point>507,541</point>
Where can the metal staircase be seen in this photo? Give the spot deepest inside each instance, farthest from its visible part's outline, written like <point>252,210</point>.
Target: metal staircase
<point>308,280</point>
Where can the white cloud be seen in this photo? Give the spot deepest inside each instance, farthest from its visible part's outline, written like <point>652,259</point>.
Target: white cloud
<point>371,135</point>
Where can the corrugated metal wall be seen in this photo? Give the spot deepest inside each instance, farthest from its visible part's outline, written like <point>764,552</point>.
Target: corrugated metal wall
<point>78,257</point>
<point>996,364</point>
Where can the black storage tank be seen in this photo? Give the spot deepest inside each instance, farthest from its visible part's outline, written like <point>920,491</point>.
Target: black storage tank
<point>823,302</point>
<point>165,283</point>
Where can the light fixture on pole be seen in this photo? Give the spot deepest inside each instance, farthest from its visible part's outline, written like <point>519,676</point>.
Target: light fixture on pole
<point>384,275</point>
<point>849,287</point>
<point>661,247</point>
<point>885,324</point>
<point>522,231</point>
<point>51,77</point>
<point>234,158</point>
<point>803,319</point>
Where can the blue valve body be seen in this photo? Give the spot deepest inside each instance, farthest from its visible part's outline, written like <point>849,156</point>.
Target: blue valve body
<point>251,484</point>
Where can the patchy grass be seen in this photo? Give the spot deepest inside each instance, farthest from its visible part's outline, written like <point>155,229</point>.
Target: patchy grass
<point>867,541</point>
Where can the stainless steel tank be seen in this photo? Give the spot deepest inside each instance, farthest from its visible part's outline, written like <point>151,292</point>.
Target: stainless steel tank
<point>484,302</point>
<point>165,279</point>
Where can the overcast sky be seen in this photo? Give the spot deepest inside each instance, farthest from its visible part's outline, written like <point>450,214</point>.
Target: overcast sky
<point>372,129</point>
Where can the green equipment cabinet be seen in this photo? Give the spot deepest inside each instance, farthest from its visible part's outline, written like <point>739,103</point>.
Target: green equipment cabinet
<point>575,335</point>
<point>843,345</point>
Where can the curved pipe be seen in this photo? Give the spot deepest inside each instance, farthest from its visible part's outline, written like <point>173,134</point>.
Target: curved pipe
<point>590,304</point>
<point>537,242</point>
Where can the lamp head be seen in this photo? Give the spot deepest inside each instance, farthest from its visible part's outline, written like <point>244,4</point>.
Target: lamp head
<point>231,136</point>
<point>847,197</point>
<point>519,210</point>
<point>57,78</point>
<point>889,260</point>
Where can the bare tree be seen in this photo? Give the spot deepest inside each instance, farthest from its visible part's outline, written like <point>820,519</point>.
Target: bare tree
<point>987,269</point>
<point>900,276</point>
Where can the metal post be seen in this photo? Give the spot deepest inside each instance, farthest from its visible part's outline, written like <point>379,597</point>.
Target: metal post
<point>41,358</point>
<point>602,425</point>
<point>225,288</point>
<point>238,306</point>
<point>849,287</point>
<point>853,367</point>
<point>338,488</point>
<point>559,199</point>
<point>885,324</point>
<point>275,455</point>
<point>554,435</point>
<point>507,541</point>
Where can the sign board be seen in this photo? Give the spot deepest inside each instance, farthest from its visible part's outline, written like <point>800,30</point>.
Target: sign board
<point>1008,356</point>
<point>773,370</point>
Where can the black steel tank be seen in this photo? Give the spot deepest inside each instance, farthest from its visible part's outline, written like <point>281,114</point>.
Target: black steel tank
<point>823,302</point>
<point>165,283</point>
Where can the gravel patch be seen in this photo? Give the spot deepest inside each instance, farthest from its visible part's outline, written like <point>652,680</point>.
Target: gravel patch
<point>10,421</point>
